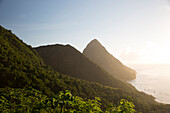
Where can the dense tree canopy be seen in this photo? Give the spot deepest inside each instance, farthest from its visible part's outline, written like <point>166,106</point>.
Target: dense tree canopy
<point>31,100</point>
<point>21,67</point>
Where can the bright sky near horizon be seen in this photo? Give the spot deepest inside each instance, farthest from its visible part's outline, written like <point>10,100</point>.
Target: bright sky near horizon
<point>133,31</point>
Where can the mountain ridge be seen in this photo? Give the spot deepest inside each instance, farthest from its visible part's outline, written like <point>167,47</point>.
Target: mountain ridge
<point>98,54</point>
<point>21,66</point>
<point>68,60</point>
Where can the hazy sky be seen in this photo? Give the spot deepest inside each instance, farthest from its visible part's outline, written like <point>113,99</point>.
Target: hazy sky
<point>133,31</point>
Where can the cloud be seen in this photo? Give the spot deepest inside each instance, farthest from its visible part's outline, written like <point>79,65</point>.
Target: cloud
<point>145,54</point>
<point>129,55</point>
<point>150,52</point>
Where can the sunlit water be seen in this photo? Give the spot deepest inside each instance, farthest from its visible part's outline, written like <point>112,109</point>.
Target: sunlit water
<point>153,79</point>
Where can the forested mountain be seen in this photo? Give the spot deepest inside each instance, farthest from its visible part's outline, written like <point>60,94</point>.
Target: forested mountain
<point>67,60</point>
<point>99,55</point>
<point>22,67</point>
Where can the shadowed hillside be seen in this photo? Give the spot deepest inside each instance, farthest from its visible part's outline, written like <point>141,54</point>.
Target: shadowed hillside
<point>21,67</point>
<point>99,55</point>
<point>67,60</point>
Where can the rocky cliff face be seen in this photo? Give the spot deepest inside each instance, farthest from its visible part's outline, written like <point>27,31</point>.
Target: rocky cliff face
<point>99,55</point>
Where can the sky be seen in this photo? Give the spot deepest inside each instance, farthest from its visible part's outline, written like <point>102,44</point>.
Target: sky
<point>131,30</point>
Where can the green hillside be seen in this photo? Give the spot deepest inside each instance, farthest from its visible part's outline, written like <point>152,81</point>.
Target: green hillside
<point>99,55</point>
<point>22,67</point>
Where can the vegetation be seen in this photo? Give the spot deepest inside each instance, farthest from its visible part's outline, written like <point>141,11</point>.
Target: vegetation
<point>21,67</point>
<point>68,60</point>
<point>31,100</point>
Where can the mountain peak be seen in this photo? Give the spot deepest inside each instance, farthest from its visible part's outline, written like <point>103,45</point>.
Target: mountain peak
<point>94,46</point>
<point>100,56</point>
<point>94,42</point>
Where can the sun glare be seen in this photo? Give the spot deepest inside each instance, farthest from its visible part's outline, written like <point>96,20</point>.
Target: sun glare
<point>150,53</point>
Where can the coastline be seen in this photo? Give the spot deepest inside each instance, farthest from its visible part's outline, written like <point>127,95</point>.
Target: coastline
<point>149,92</point>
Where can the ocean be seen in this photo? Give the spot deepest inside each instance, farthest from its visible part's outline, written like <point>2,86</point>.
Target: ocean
<point>153,79</point>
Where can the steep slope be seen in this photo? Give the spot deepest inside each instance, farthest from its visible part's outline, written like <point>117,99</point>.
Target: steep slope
<point>99,55</point>
<point>67,60</point>
<point>21,66</point>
